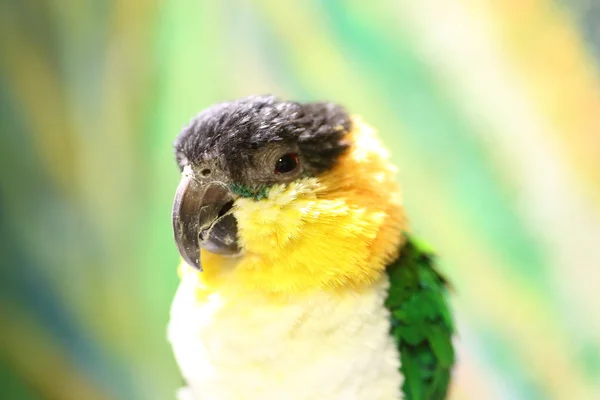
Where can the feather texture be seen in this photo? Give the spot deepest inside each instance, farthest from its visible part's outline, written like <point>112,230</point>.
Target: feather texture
<point>236,343</point>
<point>421,323</point>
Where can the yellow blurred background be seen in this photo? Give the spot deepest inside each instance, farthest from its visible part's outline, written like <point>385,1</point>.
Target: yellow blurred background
<point>491,110</point>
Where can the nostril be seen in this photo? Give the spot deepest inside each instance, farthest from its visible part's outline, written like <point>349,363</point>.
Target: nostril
<point>226,207</point>
<point>205,172</point>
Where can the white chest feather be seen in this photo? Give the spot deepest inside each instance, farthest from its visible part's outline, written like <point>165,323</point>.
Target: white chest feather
<point>323,346</point>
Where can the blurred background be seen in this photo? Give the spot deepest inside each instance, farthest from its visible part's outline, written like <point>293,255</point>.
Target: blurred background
<point>491,110</point>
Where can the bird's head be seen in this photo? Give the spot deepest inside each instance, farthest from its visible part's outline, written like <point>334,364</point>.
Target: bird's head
<point>285,197</point>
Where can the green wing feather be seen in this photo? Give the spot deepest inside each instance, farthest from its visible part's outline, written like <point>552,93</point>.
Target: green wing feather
<point>421,323</point>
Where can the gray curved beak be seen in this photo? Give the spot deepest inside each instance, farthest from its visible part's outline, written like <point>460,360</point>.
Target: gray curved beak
<point>203,218</point>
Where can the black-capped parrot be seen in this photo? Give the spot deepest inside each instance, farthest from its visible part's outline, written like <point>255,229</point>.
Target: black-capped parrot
<point>298,277</point>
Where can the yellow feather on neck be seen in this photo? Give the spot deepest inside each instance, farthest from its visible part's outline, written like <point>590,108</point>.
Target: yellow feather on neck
<point>336,231</point>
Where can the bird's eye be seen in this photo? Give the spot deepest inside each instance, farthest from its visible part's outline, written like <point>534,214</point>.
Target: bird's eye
<point>286,163</point>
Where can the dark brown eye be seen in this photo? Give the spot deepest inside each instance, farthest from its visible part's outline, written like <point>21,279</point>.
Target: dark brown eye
<point>286,163</point>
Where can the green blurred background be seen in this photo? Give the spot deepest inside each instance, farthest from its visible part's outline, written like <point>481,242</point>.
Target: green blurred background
<point>491,110</point>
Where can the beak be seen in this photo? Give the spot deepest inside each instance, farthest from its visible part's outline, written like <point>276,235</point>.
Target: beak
<point>203,218</point>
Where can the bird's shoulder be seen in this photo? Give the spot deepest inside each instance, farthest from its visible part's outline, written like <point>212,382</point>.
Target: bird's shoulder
<point>421,321</point>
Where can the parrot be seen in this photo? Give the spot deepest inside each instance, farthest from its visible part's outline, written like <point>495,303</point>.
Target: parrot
<point>299,278</point>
